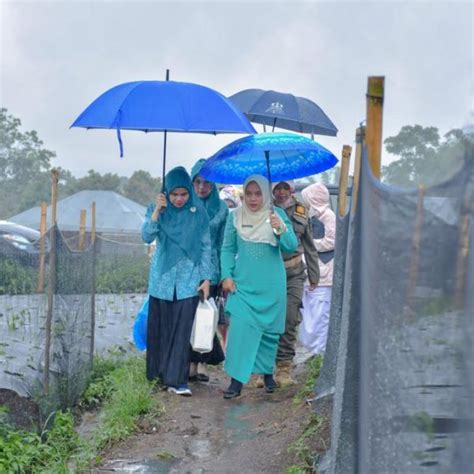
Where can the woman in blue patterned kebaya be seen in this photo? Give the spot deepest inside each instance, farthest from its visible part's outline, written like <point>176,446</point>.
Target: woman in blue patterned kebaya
<point>181,266</point>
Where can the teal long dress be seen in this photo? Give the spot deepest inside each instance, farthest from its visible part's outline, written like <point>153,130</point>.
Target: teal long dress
<point>257,309</point>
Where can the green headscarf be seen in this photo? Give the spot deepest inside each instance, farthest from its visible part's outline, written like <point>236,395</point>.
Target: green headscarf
<point>182,227</point>
<point>212,203</point>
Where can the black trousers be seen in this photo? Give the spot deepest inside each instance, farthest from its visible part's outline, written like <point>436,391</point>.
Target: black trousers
<point>168,340</point>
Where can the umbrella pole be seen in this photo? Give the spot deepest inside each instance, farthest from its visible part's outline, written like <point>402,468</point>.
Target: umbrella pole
<point>164,163</point>
<point>267,159</point>
<point>274,123</point>
<point>164,146</point>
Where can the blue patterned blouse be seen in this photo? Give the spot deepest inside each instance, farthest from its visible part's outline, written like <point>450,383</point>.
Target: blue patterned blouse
<point>185,276</point>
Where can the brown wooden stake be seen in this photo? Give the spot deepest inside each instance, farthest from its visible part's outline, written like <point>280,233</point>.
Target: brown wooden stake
<point>93,222</point>
<point>42,260</point>
<point>463,250</point>
<point>344,178</point>
<point>82,229</point>
<point>94,263</point>
<point>415,253</point>
<point>52,278</point>
<point>375,96</point>
<point>54,195</point>
<point>360,136</point>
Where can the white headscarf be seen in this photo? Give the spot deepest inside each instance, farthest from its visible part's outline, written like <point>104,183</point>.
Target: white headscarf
<point>255,226</point>
<point>316,198</point>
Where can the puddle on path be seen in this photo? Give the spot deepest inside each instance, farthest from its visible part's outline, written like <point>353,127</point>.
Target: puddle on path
<point>155,466</point>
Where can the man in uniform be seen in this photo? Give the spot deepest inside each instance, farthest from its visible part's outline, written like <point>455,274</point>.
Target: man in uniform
<point>295,276</point>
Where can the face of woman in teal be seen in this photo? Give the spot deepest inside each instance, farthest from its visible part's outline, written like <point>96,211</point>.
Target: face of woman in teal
<point>179,197</point>
<point>202,187</point>
<point>253,196</point>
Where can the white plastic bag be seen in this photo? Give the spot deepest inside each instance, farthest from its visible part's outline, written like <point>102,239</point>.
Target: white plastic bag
<point>204,326</point>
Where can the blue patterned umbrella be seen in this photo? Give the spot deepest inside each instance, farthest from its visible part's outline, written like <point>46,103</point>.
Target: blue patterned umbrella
<point>278,156</point>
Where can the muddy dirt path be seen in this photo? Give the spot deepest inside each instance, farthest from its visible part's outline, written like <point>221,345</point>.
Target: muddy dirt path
<point>207,434</point>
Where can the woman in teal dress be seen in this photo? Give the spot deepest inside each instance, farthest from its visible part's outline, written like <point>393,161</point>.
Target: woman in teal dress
<point>254,275</point>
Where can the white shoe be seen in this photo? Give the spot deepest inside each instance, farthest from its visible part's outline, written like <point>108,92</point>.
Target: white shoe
<point>183,391</point>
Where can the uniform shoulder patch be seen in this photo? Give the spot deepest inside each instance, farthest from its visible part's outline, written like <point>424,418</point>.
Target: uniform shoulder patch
<point>300,210</point>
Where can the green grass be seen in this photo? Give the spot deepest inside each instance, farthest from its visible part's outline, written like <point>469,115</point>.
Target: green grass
<point>313,367</point>
<point>128,396</point>
<point>302,448</point>
<point>119,388</point>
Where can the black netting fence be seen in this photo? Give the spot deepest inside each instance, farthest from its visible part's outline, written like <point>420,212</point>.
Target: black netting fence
<point>399,360</point>
<point>67,303</point>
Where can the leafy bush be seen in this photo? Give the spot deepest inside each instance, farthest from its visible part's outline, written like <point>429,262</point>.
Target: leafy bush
<point>122,274</point>
<point>16,278</point>
<point>22,451</point>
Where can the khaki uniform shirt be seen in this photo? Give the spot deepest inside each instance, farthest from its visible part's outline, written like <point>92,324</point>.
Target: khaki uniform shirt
<point>298,215</point>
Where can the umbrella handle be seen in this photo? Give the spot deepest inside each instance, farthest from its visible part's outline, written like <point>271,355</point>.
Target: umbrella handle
<point>267,159</point>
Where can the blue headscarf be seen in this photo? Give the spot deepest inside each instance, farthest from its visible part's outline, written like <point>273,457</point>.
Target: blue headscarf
<point>213,202</point>
<point>182,227</point>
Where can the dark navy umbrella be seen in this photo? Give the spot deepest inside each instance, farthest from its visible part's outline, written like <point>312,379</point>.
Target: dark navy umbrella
<point>167,106</point>
<point>278,156</point>
<point>286,111</point>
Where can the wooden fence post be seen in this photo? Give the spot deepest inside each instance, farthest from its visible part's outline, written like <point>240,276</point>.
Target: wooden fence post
<point>42,260</point>
<point>360,137</point>
<point>82,229</point>
<point>94,263</point>
<point>343,179</point>
<point>375,97</point>
<point>52,278</point>
<point>415,256</point>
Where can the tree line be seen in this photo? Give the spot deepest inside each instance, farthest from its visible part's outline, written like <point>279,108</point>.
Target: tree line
<point>25,173</point>
<point>423,157</point>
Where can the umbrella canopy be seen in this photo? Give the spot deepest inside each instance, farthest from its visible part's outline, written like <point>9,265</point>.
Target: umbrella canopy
<point>278,156</point>
<point>286,111</point>
<point>153,106</point>
<point>167,106</point>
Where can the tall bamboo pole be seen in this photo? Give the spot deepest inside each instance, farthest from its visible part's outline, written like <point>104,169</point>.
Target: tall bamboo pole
<point>82,229</point>
<point>463,249</point>
<point>52,278</point>
<point>375,96</point>
<point>94,262</point>
<point>42,260</point>
<point>415,256</point>
<point>360,137</point>
<point>343,179</point>
<point>93,221</point>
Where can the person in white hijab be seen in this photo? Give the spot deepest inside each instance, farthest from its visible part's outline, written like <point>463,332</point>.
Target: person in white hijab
<point>254,276</point>
<point>317,303</point>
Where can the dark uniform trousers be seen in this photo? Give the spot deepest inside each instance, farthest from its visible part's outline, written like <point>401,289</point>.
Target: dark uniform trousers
<point>295,278</point>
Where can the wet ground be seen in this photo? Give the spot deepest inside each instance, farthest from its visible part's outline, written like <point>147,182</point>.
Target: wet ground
<point>207,434</point>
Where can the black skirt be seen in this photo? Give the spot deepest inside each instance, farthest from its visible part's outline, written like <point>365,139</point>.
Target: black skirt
<point>168,340</point>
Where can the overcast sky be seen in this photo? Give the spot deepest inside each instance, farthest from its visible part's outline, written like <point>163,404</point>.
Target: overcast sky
<point>56,57</point>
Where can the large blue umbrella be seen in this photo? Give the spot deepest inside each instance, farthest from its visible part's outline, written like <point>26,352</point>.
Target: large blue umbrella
<point>286,111</point>
<point>167,106</point>
<point>278,156</point>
